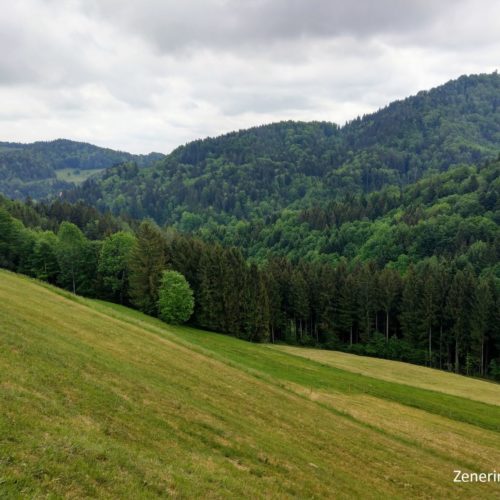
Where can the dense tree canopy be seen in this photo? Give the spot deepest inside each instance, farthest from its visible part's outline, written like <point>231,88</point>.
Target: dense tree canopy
<point>253,175</point>
<point>380,238</point>
<point>175,298</point>
<point>442,311</point>
<point>31,169</point>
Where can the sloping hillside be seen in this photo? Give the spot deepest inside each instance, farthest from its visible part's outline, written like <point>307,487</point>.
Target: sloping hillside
<point>263,170</point>
<point>45,168</point>
<point>98,400</point>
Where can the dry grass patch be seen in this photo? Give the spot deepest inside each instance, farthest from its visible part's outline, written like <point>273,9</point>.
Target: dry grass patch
<point>403,373</point>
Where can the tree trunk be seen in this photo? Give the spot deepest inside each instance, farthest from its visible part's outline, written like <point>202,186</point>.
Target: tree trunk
<point>440,345</point>
<point>481,369</point>
<point>456,356</point>
<point>350,335</point>
<point>387,325</point>
<point>430,346</point>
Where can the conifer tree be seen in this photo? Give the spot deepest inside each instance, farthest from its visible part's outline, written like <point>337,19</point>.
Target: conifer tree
<point>410,308</point>
<point>147,261</point>
<point>460,306</point>
<point>389,288</point>
<point>347,306</point>
<point>113,266</point>
<point>483,314</point>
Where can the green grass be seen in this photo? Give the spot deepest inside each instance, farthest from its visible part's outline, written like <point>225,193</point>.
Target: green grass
<point>76,175</point>
<point>98,400</point>
<point>404,373</point>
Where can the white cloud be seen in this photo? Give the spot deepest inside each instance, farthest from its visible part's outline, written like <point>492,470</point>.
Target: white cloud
<point>151,75</point>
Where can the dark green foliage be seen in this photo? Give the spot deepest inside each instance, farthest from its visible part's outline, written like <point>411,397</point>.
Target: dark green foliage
<point>10,231</point>
<point>255,174</point>
<point>147,261</point>
<point>381,238</point>
<point>175,298</point>
<point>437,312</point>
<point>77,258</point>
<point>113,266</point>
<point>45,265</point>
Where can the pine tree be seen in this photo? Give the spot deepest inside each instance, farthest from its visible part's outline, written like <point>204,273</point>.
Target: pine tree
<point>347,306</point>
<point>429,292</point>
<point>366,298</point>
<point>483,314</point>
<point>410,316</point>
<point>299,303</point>
<point>210,313</point>
<point>460,306</point>
<point>389,288</point>
<point>147,261</point>
<point>113,266</point>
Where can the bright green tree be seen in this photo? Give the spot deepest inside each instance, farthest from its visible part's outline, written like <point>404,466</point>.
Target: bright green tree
<point>175,298</point>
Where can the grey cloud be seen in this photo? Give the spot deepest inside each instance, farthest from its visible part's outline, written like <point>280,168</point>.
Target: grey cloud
<point>172,25</point>
<point>153,74</point>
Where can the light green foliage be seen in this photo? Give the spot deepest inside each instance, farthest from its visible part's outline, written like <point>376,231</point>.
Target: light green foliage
<point>175,298</point>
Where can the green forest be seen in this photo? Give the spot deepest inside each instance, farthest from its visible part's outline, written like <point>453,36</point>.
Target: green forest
<point>30,170</point>
<point>380,237</point>
<point>253,175</point>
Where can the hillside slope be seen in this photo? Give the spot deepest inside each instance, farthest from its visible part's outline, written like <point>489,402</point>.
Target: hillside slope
<point>45,168</point>
<point>98,400</point>
<point>263,170</point>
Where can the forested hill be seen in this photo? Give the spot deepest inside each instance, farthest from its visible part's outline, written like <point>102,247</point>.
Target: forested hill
<point>44,168</point>
<point>258,172</point>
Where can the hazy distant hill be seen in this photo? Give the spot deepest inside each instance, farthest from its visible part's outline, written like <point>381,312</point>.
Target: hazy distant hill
<point>44,168</point>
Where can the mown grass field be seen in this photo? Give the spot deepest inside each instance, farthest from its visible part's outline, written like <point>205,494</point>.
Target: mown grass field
<point>78,176</point>
<point>98,400</point>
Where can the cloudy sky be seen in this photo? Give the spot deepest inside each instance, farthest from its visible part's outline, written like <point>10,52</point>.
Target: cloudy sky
<point>148,75</point>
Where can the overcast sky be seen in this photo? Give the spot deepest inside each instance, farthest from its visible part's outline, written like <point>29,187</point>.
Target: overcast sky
<point>149,75</point>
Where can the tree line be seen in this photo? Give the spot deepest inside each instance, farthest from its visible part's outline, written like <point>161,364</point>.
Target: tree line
<point>439,312</point>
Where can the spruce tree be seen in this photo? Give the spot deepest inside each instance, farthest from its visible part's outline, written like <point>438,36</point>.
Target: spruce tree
<point>146,263</point>
<point>389,288</point>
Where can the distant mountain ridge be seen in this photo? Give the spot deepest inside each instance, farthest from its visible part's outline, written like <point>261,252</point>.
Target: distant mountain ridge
<point>261,171</point>
<point>32,169</point>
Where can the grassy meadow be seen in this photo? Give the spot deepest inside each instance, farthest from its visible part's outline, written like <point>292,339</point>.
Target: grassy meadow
<point>78,176</point>
<point>97,400</point>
